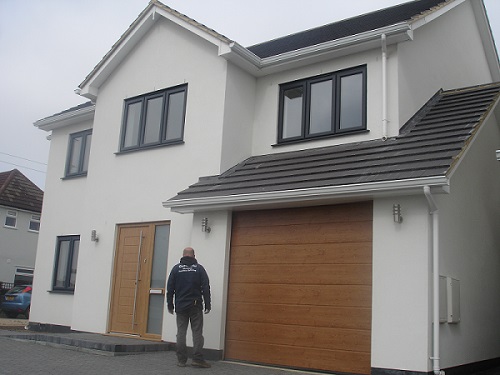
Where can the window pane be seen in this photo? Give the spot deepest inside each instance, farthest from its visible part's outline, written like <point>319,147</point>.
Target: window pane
<point>351,101</point>
<point>62,264</point>
<point>153,120</point>
<point>74,161</point>
<point>320,118</point>
<point>88,142</point>
<point>292,112</point>
<point>35,226</point>
<point>132,125</point>
<point>10,221</point>
<point>155,313</point>
<point>175,116</point>
<point>159,269</point>
<point>74,262</point>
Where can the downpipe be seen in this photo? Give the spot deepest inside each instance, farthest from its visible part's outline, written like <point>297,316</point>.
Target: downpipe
<point>384,87</point>
<point>434,212</point>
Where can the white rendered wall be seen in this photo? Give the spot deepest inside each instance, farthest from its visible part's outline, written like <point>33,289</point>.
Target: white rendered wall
<point>63,205</point>
<point>401,285</point>
<point>130,188</point>
<point>265,128</point>
<point>446,53</point>
<point>470,251</point>
<point>212,251</point>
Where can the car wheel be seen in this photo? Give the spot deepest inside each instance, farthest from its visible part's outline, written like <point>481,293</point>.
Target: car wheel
<point>27,312</point>
<point>11,314</point>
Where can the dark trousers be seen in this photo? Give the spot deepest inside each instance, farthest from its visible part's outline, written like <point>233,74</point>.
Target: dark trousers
<point>195,316</point>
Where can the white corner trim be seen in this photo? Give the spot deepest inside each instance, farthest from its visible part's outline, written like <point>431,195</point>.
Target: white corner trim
<point>397,187</point>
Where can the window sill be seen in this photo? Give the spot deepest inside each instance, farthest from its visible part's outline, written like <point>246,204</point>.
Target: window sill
<point>74,176</point>
<point>320,138</point>
<point>144,148</point>
<point>7,227</point>
<point>57,291</point>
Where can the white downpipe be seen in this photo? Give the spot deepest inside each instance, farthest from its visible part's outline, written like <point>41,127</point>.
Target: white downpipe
<point>384,87</point>
<point>434,212</point>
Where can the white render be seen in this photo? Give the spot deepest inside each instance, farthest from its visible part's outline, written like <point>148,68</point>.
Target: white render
<point>231,115</point>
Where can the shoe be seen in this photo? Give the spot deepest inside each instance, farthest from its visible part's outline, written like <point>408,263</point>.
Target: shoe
<point>201,364</point>
<point>181,364</point>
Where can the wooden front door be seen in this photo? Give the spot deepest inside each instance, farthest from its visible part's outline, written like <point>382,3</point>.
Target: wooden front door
<point>138,247</point>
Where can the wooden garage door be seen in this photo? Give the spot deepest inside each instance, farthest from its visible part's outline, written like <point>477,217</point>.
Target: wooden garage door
<point>300,288</point>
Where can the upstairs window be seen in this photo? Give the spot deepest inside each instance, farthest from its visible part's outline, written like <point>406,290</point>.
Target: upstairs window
<point>154,119</point>
<point>65,263</point>
<point>11,219</point>
<point>322,106</point>
<point>34,223</point>
<point>77,162</point>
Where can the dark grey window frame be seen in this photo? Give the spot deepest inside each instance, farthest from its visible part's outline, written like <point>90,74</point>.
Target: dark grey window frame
<point>67,287</point>
<point>81,170</point>
<point>143,100</point>
<point>305,86</point>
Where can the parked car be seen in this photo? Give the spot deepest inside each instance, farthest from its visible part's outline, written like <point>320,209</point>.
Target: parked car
<point>17,301</point>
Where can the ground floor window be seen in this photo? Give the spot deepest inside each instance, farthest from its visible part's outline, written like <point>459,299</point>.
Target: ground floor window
<point>65,263</point>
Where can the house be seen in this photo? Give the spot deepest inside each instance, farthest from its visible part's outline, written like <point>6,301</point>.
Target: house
<point>20,211</point>
<point>340,185</point>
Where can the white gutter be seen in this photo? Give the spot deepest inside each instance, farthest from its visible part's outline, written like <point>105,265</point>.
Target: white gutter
<point>66,118</point>
<point>410,186</point>
<point>384,87</point>
<point>434,212</point>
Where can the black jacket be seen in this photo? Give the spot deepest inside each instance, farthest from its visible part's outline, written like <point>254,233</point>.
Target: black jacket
<point>188,281</point>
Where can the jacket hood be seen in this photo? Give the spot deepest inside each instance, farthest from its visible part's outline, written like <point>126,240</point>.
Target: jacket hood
<point>189,261</point>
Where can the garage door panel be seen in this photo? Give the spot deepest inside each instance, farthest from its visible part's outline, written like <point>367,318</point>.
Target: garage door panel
<point>319,274</point>
<point>300,288</point>
<point>326,214</point>
<point>339,253</point>
<point>326,295</point>
<point>324,316</point>
<point>304,234</point>
<point>301,357</point>
<point>297,335</point>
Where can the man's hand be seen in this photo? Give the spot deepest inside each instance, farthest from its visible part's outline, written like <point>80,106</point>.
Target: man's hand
<point>171,311</point>
<point>207,311</point>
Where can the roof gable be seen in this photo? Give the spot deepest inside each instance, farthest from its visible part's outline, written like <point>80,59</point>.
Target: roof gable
<point>143,23</point>
<point>425,152</point>
<point>17,191</point>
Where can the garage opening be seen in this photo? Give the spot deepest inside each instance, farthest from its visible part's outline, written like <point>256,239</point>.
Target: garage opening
<point>300,288</point>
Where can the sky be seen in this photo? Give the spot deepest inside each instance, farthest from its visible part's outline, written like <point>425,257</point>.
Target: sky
<point>48,47</point>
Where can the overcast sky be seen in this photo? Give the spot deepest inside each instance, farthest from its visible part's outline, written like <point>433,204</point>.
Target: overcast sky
<point>47,48</point>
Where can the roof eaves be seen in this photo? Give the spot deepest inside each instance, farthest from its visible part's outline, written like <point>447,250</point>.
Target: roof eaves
<point>78,114</point>
<point>247,60</point>
<point>439,184</point>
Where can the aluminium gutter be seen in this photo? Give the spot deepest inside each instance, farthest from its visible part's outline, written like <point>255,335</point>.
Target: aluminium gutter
<point>400,187</point>
<point>395,33</point>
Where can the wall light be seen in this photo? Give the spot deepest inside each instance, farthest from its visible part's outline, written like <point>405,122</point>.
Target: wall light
<point>93,236</point>
<point>204,225</point>
<point>396,213</point>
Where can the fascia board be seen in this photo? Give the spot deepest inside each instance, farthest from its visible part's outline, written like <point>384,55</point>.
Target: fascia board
<point>433,14</point>
<point>65,119</point>
<point>490,48</point>
<point>247,60</point>
<point>399,187</point>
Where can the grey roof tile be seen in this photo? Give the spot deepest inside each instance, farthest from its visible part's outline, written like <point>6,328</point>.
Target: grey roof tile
<point>352,26</point>
<point>427,146</point>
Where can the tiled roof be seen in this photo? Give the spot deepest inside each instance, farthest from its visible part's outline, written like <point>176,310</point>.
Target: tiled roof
<point>428,146</point>
<point>17,191</point>
<point>352,26</point>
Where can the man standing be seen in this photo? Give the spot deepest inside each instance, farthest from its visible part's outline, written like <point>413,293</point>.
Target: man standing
<point>188,281</point>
